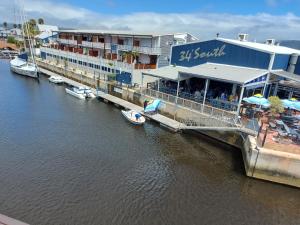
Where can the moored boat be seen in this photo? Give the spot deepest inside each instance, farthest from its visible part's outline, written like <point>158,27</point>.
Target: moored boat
<point>88,92</point>
<point>24,68</point>
<point>56,79</point>
<point>133,117</point>
<point>76,92</point>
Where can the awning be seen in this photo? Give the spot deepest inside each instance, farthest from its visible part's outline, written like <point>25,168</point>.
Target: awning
<point>220,72</point>
<point>285,74</point>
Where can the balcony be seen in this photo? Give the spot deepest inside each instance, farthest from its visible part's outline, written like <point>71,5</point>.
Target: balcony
<point>141,66</point>
<point>67,41</point>
<point>113,64</point>
<point>145,50</point>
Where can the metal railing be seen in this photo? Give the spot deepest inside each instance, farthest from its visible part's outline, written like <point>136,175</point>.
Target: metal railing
<point>112,64</point>
<point>145,50</point>
<point>212,112</point>
<point>67,41</point>
<point>92,44</point>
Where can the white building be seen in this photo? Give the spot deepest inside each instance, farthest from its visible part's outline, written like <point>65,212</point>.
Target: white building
<point>120,52</point>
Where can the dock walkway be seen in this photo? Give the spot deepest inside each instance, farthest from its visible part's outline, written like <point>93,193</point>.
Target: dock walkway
<point>5,220</point>
<point>162,120</point>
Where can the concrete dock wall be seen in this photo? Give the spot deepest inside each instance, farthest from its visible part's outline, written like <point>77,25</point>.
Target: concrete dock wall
<point>267,164</point>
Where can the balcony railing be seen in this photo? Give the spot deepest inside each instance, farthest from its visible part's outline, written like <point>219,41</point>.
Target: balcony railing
<point>145,50</point>
<point>92,44</point>
<point>123,66</point>
<point>67,41</point>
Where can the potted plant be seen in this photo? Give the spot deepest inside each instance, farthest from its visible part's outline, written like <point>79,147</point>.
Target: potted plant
<point>276,106</point>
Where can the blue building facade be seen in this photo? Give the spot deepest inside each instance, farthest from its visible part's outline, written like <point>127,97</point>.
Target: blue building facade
<point>218,51</point>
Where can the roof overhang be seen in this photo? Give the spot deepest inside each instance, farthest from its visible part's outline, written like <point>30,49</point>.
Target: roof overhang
<point>287,75</point>
<point>224,73</point>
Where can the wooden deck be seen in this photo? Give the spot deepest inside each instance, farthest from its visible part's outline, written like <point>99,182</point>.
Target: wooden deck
<point>5,220</point>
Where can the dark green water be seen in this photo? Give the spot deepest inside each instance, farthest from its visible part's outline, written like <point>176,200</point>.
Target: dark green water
<point>68,161</point>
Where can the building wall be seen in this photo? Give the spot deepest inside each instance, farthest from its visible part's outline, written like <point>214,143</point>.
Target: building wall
<point>144,42</point>
<point>281,61</point>
<point>165,44</point>
<point>297,67</point>
<point>216,51</point>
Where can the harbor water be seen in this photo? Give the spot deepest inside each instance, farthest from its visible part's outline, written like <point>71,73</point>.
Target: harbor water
<point>70,161</point>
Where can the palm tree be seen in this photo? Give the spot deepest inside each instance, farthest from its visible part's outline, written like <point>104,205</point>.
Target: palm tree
<point>15,26</point>
<point>40,21</point>
<point>133,55</point>
<point>20,26</point>
<point>5,25</point>
<point>32,22</point>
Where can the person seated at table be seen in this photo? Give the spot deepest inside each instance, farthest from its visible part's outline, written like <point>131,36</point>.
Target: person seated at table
<point>223,96</point>
<point>197,94</point>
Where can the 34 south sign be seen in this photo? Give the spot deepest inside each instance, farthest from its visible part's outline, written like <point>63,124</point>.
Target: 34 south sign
<point>194,54</point>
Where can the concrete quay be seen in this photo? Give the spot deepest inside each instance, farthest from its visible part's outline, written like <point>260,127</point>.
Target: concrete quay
<point>5,220</point>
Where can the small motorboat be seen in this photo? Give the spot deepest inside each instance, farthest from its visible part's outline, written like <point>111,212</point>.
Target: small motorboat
<point>56,79</point>
<point>88,93</point>
<point>77,92</point>
<point>133,117</point>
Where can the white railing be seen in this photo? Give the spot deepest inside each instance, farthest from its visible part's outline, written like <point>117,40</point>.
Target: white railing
<point>216,113</point>
<point>66,41</point>
<point>98,45</point>
<point>107,45</point>
<point>145,50</point>
<point>87,44</point>
<point>92,44</point>
<point>123,66</point>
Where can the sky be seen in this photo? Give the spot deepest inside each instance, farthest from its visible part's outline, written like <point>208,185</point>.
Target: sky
<point>261,19</point>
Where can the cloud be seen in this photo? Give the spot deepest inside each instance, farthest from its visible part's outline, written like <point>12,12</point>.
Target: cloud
<point>204,25</point>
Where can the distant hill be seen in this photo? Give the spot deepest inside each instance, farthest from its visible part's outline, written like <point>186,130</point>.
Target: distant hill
<point>291,43</point>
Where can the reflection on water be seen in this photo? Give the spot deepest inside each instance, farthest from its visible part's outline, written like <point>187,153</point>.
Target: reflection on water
<point>67,161</point>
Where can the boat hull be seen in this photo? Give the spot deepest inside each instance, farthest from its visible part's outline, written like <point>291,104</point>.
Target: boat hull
<point>24,72</point>
<point>55,81</point>
<point>129,115</point>
<point>71,92</point>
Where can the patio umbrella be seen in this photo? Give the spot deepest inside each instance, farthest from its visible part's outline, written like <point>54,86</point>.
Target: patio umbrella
<point>258,99</point>
<point>297,105</point>
<point>292,103</point>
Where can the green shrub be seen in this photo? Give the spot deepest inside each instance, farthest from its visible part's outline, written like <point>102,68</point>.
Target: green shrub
<point>11,40</point>
<point>276,105</point>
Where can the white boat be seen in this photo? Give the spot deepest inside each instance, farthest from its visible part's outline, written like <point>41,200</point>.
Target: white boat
<point>133,117</point>
<point>20,63</point>
<point>24,68</point>
<point>88,92</point>
<point>56,79</point>
<point>77,92</point>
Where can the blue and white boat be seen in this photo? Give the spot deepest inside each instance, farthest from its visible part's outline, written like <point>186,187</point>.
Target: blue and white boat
<point>134,117</point>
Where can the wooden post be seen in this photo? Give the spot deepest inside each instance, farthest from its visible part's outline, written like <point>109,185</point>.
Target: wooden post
<point>265,136</point>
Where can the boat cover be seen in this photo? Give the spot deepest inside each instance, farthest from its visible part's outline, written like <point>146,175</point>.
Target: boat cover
<point>153,106</point>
